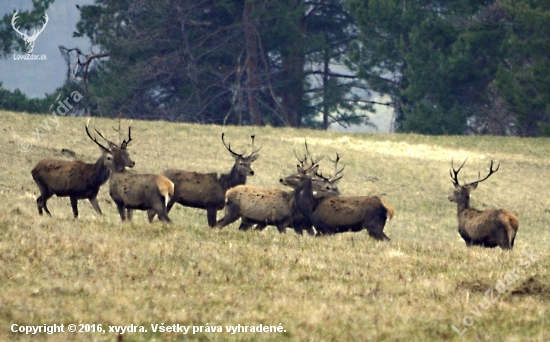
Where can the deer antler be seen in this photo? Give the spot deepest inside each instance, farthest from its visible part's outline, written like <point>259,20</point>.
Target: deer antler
<point>303,167</point>
<point>94,139</point>
<point>253,151</point>
<point>455,172</point>
<point>302,161</point>
<point>126,142</point>
<point>491,171</point>
<point>228,147</point>
<point>313,162</point>
<point>455,176</point>
<point>337,173</point>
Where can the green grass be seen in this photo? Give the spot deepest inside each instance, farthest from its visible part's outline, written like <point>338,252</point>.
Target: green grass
<point>97,270</point>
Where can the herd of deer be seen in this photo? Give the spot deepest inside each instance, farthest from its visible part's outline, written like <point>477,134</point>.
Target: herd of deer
<point>313,203</point>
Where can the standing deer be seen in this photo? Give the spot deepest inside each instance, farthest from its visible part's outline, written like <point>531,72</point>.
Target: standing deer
<point>261,206</point>
<point>340,214</point>
<point>76,179</point>
<point>207,190</point>
<point>488,228</point>
<point>132,191</point>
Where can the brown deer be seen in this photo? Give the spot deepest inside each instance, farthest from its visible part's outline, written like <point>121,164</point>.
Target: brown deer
<point>132,191</point>
<point>489,228</point>
<point>207,190</point>
<point>76,179</point>
<point>340,214</point>
<point>261,206</point>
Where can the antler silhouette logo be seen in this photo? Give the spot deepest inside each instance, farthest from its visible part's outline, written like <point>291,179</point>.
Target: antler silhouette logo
<point>29,40</point>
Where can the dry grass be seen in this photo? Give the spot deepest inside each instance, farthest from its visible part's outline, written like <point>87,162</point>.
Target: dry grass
<point>341,288</point>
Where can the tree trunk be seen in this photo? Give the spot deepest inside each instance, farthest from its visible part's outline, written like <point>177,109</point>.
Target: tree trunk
<point>253,83</point>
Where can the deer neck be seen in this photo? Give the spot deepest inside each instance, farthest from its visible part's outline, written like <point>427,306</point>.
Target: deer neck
<point>305,201</point>
<point>232,179</point>
<point>101,172</point>
<point>463,205</point>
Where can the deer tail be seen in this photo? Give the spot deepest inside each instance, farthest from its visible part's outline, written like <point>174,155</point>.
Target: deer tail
<point>514,222</point>
<point>389,209</point>
<point>166,188</point>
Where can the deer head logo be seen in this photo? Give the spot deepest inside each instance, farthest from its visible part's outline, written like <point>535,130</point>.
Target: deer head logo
<point>29,40</point>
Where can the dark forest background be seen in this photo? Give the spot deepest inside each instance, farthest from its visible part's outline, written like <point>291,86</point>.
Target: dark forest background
<point>447,67</point>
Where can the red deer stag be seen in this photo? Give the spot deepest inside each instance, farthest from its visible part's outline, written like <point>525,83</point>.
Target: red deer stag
<point>340,214</point>
<point>132,191</point>
<point>261,206</point>
<point>489,228</point>
<point>76,179</point>
<point>207,190</point>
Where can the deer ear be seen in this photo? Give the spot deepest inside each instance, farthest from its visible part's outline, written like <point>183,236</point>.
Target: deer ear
<point>457,186</point>
<point>473,186</point>
<point>253,157</point>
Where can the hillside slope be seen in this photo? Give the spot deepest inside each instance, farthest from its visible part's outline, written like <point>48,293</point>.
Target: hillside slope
<point>96,270</point>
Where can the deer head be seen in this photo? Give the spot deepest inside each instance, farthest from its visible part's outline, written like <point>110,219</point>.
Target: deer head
<point>243,163</point>
<point>461,194</point>
<point>29,40</point>
<point>116,158</point>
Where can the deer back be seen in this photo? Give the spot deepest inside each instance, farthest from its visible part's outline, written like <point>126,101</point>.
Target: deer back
<point>199,190</point>
<point>346,211</point>
<point>66,178</point>
<point>262,204</point>
<point>482,225</point>
<point>139,191</point>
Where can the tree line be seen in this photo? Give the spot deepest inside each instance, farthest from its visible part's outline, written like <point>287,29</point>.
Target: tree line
<point>447,67</point>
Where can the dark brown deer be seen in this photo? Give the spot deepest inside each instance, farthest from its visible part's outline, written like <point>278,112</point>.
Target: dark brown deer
<point>489,228</point>
<point>132,191</point>
<point>207,190</point>
<point>76,179</point>
<point>263,207</point>
<point>340,214</point>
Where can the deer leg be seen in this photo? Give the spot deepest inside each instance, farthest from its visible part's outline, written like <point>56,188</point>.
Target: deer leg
<point>211,216</point>
<point>161,212</point>
<point>260,226</point>
<point>151,215</point>
<point>159,207</point>
<point>121,210</point>
<point>300,224</point>
<point>281,227</point>
<point>375,227</point>
<point>170,205</point>
<point>129,214</point>
<point>163,216</point>
<point>74,205</point>
<point>322,228</point>
<point>502,238</point>
<point>95,205</point>
<point>244,226</point>
<point>45,194</point>
<point>231,215</point>
<point>310,231</point>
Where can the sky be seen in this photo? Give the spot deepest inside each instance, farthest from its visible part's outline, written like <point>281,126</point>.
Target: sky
<point>38,78</point>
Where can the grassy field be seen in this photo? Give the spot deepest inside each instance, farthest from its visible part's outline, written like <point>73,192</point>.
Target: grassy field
<point>96,270</point>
